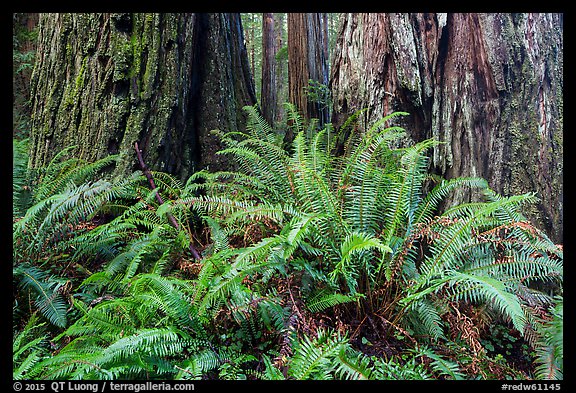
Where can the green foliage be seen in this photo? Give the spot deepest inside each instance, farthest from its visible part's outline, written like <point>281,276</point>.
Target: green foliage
<point>129,336</point>
<point>441,366</point>
<point>21,195</point>
<point>367,214</point>
<point>329,355</point>
<point>28,348</point>
<point>550,348</point>
<point>46,291</point>
<point>361,230</point>
<point>292,237</point>
<point>319,94</point>
<point>62,197</point>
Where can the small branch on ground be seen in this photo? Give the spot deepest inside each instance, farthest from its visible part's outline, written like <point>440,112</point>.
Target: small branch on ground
<point>171,218</point>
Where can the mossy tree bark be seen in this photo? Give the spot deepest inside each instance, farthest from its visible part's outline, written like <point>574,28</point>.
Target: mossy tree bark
<point>489,85</point>
<point>104,81</point>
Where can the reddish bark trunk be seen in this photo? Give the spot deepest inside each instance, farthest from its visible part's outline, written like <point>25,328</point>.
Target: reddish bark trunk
<point>490,85</point>
<point>307,61</point>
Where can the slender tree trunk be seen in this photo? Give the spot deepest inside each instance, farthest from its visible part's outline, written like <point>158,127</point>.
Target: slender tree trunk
<point>281,67</point>
<point>252,42</point>
<point>307,61</point>
<point>269,94</point>
<point>104,81</point>
<point>489,85</point>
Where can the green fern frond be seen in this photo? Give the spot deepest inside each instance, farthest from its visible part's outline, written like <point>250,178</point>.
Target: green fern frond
<point>353,248</point>
<point>430,203</point>
<point>426,319</point>
<point>160,342</point>
<point>171,296</point>
<point>256,124</point>
<point>271,372</point>
<point>108,319</point>
<point>484,289</point>
<point>357,366</point>
<point>21,195</point>
<point>440,365</point>
<point>59,174</point>
<point>199,364</point>
<point>295,118</point>
<point>325,298</point>
<point>272,314</point>
<point>28,348</point>
<point>550,348</point>
<point>390,369</point>
<point>49,301</point>
<point>314,359</point>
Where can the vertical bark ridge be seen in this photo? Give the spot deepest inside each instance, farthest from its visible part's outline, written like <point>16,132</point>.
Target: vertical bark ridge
<point>489,85</point>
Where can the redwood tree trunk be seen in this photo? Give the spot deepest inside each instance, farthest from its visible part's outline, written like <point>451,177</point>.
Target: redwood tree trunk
<point>269,94</point>
<point>280,33</point>
<point>307,60</point>
<point>105,81</point>
<point>490,85</point>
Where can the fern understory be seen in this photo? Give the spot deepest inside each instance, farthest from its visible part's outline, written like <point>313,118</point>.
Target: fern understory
<point>314,265</point>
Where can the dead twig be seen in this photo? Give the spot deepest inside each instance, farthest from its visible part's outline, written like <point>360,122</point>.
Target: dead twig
<point>171,218</point>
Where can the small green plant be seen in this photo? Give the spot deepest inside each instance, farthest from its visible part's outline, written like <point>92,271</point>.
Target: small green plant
<point>28,348</point>
<point>318,93</point>
<point>550,346</point>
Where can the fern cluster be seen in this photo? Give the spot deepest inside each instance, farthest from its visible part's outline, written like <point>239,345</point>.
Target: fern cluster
<point>300,246</point>
<point>361,234</point>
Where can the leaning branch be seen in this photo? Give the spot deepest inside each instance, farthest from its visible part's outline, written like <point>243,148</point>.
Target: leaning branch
<point>171,218</point>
